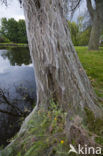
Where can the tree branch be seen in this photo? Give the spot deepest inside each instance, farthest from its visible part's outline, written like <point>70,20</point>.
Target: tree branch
<point>6,2</point>
<point>9,113</point>
<point>6,100</point>
<point>14,107</point>
<point>72,6</point>
<point>75,5</point>
<point>90,8</point>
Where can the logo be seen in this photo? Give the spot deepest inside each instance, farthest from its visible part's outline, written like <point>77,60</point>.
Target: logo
<point>72,149</point>
<point>85,150</point>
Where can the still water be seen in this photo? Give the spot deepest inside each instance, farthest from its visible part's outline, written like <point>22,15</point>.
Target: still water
<point>17,83</point>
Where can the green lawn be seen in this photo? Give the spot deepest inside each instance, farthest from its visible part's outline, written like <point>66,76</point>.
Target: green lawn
<point>11,44</point>
<point>92,62</point>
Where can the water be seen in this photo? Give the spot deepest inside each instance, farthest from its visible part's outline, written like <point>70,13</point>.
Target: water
<point>17,83</point>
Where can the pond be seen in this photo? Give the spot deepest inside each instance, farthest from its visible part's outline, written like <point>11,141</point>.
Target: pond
<point>17,90</point>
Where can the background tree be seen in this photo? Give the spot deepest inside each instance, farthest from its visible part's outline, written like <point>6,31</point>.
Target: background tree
<point>22,37</point>
<point>74,30</point>
<point>84,36</point>
<point>84,26</point>
<point>80,31</point>
<point>9,29</point>
<point>14,30</point>
<point>3,39</point>
<point>96,14</point>
<point>95,8</point>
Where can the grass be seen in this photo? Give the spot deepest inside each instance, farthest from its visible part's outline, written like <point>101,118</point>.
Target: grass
<point>92,62</point>
<point>9,44</point>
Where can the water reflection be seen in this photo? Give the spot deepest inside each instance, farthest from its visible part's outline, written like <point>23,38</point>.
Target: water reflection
<point>18,82</point>
<point>16,67</point>
<point>17,56</point>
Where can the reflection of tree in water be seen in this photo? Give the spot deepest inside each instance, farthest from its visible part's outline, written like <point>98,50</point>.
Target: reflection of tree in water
<point>18,56</point>
<point>24,97</point>
<point>13,111</point>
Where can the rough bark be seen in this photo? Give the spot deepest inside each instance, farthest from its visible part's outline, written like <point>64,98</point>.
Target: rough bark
<point>59,74</point>
<point>97,23</point>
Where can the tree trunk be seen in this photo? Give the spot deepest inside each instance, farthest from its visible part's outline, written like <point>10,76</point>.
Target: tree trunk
<point>95,35</point>
<point>97,23</point>
<point>59,74</point>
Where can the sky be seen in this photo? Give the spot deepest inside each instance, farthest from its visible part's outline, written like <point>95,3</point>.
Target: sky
<point>12,10</point>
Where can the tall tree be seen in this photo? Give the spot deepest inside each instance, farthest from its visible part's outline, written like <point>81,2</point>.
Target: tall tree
<point>59,74</point>
<point>21,34</point>
<point>95,8</point>
<point>58,71</point>
<point>96,13</point>
<point>74,30</point>
<point>9,28</point>
<point>14,30</point>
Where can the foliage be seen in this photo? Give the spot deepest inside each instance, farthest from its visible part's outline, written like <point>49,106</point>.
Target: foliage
<point>74,30</point>
<point>84,37</point>
<point>99,140</point>
<point>14,30</point>
<point>80,23</point>
<point>79,35</point>
<point>22,38</point>
<point>3,39</point>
